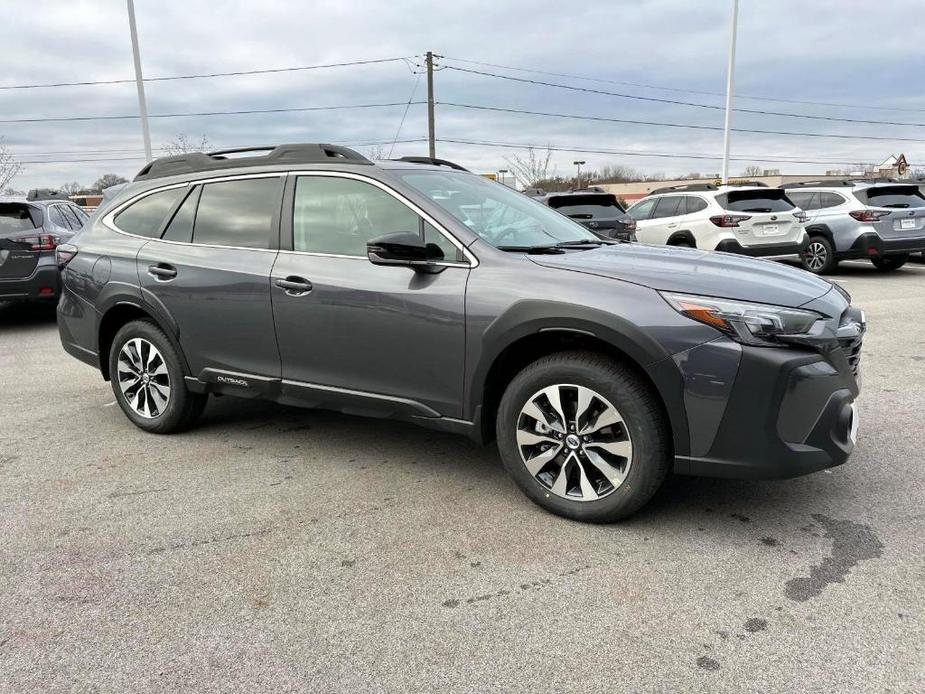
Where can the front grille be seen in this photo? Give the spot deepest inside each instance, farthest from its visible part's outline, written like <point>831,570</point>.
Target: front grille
<point>851,346</point>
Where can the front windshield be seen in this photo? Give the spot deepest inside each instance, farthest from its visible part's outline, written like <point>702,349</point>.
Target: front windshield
<point>498,214</point>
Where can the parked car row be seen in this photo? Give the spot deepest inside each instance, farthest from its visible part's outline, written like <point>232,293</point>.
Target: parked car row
<point>818,222</point>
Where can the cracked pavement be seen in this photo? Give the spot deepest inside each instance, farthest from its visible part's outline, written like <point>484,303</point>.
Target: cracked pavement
<point>288,550</point>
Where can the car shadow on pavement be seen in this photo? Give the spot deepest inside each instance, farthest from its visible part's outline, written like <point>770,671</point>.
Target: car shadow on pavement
<point>14,315</point>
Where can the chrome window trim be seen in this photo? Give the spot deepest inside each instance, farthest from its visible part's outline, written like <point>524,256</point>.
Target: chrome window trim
<point>109,217</point>
<point>473,260</point>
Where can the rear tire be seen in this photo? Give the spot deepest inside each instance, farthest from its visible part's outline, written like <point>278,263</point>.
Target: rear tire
<point>148,380</point>
<point>819,256</point>
<point>602,451</point>
<point>889,263</point>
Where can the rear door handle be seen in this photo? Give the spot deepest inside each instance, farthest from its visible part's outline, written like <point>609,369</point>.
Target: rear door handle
<point>294,286</point>
<point>162,271</point>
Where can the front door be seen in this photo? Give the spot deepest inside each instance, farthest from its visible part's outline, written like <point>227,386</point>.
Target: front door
<point>358,336</point>
<point>210,273</point>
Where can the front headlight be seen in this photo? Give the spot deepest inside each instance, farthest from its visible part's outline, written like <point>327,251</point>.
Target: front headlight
<point>748,323</point>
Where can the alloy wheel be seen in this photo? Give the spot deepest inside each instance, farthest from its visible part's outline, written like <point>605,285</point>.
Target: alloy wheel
<point>143,378</point>
<point>574,442</point>
<point>815,256</point>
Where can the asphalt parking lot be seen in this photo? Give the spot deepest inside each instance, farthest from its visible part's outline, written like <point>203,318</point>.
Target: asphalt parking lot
<point>286,550</point>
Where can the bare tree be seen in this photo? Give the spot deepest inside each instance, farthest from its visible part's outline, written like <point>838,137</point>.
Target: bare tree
<point>72,188</point>
<point>376,152</point>
<point>107,180</point>
<point>749,171</point>
<point>530,170</point>
<point>615,173</point>
<point>182,144</point>
<point>10,167</point>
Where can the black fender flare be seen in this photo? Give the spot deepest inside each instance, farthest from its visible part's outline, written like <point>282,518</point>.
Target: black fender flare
<point>821,230</point>
<point>683,235</point>
<point>528,318</point>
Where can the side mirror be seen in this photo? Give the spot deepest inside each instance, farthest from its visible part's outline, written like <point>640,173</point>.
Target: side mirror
<point>404,248</point>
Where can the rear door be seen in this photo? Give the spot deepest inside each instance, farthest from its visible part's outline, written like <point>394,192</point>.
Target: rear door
<point>208,268</point>
<point>664,220</point>
<point>769,216</point>
<point>20,240</point>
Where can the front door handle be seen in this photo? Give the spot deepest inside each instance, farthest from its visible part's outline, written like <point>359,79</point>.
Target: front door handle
<point>162,271</point>
<point>294,286</point>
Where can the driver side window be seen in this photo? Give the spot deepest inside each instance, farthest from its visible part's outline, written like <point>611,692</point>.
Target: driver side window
<point>338,216</point>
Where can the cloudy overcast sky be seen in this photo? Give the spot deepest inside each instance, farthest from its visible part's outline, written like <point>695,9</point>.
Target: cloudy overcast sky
<point>864,60</point>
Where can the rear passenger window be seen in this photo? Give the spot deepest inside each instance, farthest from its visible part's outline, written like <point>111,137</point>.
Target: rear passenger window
<point>144,218</point>
<point>695,204</point>
<point>669,206</point>
<point>238,213</point>
<point>181,226</point>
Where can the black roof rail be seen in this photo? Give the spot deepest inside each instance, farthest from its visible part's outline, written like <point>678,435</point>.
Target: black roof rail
<point>837,182</point>
<point>46,194</point>
<point>747,184</point>
<point>685,187</point>
<point>304,153</point>
<point>534,192</point>
<point>433,161</point>
<point>587,189</point>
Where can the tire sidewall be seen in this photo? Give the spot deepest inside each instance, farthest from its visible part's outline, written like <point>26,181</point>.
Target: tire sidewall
<point>646,470</point>
<point>173,413</point>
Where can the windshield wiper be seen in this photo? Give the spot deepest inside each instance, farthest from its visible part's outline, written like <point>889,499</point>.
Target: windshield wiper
<point>555,247</point>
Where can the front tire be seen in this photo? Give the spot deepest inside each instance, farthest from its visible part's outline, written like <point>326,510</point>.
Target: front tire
<point>583,436</point>
<point>147,380</point>
<point>889,263</point>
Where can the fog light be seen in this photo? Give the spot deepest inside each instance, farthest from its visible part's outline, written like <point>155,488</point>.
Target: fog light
<point>45,291</point>
<point>871,251</point>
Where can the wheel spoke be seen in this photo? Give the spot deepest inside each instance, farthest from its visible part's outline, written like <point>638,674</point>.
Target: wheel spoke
<point>530,438</point>
<point>538,462</point>
<point>585,398</point>
<point>560,486</point>
<point>624,449</point>
<point>552,395</point>
<point>614,474</point>
<point>588,493</point>
<point>607,418</point>
<point>160,400</point>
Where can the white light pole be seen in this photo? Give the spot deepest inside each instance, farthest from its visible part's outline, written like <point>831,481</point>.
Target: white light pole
<point>730,69</point>
<point>578,164</point>
<point>139,81</point>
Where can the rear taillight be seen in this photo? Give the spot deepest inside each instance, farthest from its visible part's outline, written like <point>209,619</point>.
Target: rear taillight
<point>42,242</point>
<point>64,254</point>
<point>869,215</point>
<point>800,216</point>
<point>729,220</point>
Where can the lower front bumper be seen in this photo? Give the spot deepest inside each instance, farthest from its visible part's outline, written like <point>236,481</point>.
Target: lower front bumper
<point>43,284</point>
<point>776,250</point>
<point>871,244</point>
<point>790,412</point>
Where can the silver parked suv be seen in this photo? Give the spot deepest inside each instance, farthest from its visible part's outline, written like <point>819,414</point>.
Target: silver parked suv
<point>880,220</point>
<point>746,219</point>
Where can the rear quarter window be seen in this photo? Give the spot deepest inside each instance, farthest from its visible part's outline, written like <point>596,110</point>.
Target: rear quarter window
<point>759,200</point>
<point>145,217</point>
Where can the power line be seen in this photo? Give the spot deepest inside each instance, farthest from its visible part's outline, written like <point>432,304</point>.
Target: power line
<point>678,125</point>
<point>631,153</point>
<point>235,73</point>
<point>676,102</point>
<point>70,119</point>
<point>686,91</point>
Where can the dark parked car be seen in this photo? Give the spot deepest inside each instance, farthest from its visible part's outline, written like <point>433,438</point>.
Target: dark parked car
<point>30,230</point>
<point>600,212</point>
<point>312,276</point>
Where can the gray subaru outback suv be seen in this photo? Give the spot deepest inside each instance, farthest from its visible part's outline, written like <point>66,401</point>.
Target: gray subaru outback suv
<point>311,276</point>
<point>881,220</point>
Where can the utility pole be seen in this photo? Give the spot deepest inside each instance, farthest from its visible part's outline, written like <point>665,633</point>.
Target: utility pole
<point>431,141</point>
<point>730,69</point>
<point>578,164</point>
<point>139,81</point>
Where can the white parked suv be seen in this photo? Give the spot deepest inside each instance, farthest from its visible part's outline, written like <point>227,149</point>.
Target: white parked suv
<point>747,219</point>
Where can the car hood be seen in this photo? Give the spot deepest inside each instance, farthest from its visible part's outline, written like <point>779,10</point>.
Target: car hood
<point>691,271</point>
